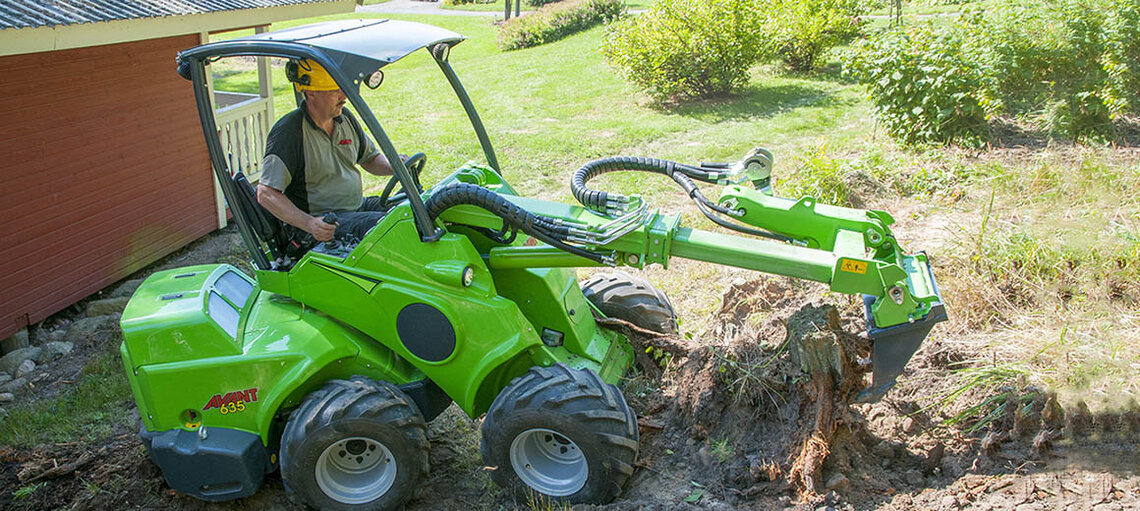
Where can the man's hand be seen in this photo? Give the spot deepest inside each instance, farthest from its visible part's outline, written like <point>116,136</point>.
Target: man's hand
<point>320,230</point>
<point>281,207</point>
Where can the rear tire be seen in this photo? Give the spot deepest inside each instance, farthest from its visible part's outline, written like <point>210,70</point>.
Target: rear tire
<point>624,296</point>
<point>356,444</point>
<point>563,433</point>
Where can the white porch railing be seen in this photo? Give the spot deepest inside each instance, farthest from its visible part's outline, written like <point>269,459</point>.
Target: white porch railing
<point>242,128</point>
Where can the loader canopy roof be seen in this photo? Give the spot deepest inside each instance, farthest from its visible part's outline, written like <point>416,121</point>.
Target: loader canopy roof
<point>359,47</point>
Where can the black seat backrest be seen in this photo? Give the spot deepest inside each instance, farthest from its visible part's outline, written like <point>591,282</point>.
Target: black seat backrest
<point>265,225</point>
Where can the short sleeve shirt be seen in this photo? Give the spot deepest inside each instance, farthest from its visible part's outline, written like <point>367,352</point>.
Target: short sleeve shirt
<point>315,171</point>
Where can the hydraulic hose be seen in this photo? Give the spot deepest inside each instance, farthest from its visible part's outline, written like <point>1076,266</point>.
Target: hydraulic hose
<point>682,174</point>
<point>598,200</point>
<point>541,228</point>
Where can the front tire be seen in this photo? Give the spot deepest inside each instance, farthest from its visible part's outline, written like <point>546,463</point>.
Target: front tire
<point>624,296</point>
<point>354,444</point>
<point>563,433</point>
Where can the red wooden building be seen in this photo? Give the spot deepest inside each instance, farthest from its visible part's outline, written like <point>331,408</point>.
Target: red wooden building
<point>103,169</point>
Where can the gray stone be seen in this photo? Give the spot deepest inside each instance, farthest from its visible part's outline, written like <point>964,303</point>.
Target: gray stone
<point>54,350</point>
<point>126,289</point>
<point>13,385</point>
<point>3,413</point>
<point>16,341</point>
<point>106,306</point>
<point>913,477</point>
<point>25,369</point>
<point>5,378</point>
<point>838,482</point>
<point>57,335</point>
<point>883,449</point>
<point>6,397</point>
<point>88,327</point>
<point>10,362</point>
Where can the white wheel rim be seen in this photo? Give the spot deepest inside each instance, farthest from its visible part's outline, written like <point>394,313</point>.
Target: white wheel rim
<point>549,462</point>
<point>355,470</point>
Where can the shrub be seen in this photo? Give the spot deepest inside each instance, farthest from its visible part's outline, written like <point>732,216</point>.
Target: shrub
<point>466,2</point>
<point>687,48</point>
<point>1121,58</point>
<point>922,86</point>
<point>1067,67</point>
<point>802,30</point>
<point>555,21</point>
<point>539,3</point>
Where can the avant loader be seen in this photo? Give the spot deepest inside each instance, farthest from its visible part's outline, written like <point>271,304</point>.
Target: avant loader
<point>326,365</point>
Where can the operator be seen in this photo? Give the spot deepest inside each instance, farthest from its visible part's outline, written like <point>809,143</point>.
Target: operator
<point>310,164</point>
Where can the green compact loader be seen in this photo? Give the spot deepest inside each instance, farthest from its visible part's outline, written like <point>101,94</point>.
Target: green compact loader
<point>327,364</point>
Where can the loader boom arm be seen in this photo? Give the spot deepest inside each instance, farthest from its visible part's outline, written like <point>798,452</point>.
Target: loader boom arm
<point>852,251</point>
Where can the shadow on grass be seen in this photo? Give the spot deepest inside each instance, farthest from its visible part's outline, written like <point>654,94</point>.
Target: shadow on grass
<point>1008,133</point>
<point>753,102</point>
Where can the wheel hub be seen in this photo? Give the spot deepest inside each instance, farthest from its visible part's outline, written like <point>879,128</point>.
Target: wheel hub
<point>549,462</point>
<point>355,470</point>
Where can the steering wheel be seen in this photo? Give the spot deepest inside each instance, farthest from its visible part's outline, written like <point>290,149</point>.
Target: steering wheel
<point>415,164</point>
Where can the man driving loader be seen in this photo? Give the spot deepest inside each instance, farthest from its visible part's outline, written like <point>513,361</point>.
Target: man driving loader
<point>310,164</point>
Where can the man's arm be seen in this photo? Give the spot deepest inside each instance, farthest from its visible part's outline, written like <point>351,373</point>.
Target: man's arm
<point>277,203</point>
<point>378,165</point>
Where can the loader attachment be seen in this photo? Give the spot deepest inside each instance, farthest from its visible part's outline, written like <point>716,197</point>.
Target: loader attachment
<point>893,346</point>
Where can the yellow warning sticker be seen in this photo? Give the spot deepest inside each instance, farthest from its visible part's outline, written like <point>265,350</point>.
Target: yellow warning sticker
<point>851,266</point>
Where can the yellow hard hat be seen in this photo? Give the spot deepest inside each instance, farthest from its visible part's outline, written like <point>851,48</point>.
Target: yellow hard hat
<point>308,75</point>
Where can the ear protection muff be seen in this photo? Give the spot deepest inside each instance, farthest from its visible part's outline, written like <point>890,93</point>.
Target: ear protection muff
<point>293,73</point>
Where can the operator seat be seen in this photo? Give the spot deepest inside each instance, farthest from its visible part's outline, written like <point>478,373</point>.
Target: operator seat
<point>266,226</point>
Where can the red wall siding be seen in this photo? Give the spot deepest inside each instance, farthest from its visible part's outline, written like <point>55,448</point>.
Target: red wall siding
<point>103,170</point>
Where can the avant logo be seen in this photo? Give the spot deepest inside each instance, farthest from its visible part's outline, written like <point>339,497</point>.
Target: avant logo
<point>241,396</point>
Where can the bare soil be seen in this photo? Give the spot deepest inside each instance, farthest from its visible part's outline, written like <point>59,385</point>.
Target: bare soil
<point>728,420</point>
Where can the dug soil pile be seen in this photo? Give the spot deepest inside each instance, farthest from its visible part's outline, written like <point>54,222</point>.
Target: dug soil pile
<point>759,415</point>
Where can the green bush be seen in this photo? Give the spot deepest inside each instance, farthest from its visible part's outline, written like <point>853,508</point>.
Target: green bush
<point>687,48</point>
<point>468,2</point>
<point>539,3</point>
<point>1121,58</point>
<point>923,86</point>
<point>555,21</point>
<point>1066,67</point>
<point>802,30</point>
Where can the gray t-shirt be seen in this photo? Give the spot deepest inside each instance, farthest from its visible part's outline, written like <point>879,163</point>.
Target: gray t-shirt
<point>315,171</point>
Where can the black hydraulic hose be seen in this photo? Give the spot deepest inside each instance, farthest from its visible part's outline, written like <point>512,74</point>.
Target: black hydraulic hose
<point>539,227</point>
<point>682,174</point>
<point>596,200</point>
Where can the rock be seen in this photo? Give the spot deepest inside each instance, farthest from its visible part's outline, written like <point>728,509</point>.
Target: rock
<point>13,385</point>
<point>106,306</point>
<point>25,369</point>
<point>948,502</point>
<point>705,457</point>
<point>911,426</point>
<point>88,327</point>
<point>838,482</point>
<point>5,378</point>
<point>10,362</point>
<point>57,335</point>
<point>883,449</point>
<point>16,341</point>
<point>933,458</point>
<point>126,289</point>
<point>913,477</point>
<point>1108,506</point>
<point>6,397</point>
<point>54,350</point>
<point>3,413</point>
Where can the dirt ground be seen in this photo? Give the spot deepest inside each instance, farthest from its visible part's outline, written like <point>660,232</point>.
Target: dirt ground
<point>725,425</point>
